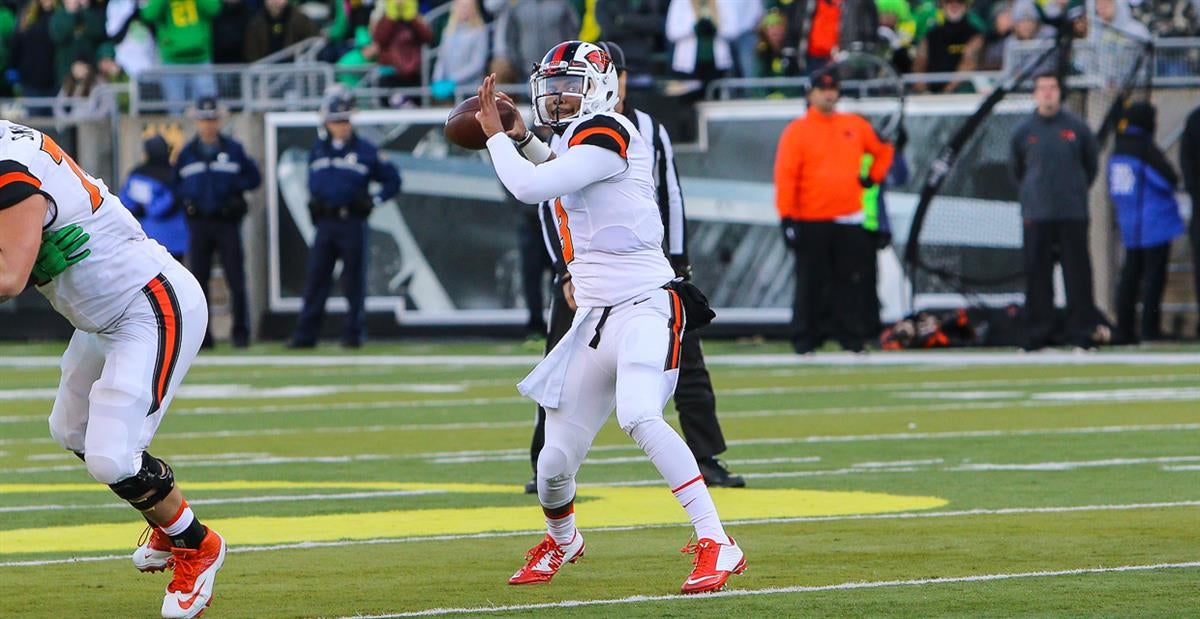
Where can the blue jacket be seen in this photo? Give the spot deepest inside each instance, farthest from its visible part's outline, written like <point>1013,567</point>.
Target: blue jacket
<point>1142,186</point>
<point>339,176</point>
<point>152,201</point>
<point>216,181</point>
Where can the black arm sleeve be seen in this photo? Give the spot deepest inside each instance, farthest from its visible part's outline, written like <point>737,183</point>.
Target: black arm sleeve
<point>16,183</point>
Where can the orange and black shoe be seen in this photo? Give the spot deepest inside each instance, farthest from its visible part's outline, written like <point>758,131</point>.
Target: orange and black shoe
<point>713,565</point>
<point>542,561</point>
<point>191,590</point>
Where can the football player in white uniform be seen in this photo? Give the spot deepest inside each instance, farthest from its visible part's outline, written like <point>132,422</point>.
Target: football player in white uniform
<point>622,350</point>
<point>139,318</point>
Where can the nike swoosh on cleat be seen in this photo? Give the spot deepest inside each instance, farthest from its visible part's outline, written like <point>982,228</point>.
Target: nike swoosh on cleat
<point>192,600</point>
<point>696,581</point>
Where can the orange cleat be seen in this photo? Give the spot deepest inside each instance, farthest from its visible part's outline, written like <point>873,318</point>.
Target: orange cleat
<point>714,563</point>
<point>191,590</point>
<point>542,561</point>
<point>154,551</point>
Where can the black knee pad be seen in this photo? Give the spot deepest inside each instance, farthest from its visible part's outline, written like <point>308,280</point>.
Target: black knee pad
<point>151,485</point>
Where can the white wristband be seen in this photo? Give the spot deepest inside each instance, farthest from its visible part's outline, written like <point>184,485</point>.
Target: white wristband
<point>534,149</point>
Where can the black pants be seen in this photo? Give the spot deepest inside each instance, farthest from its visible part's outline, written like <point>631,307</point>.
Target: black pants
<point>1144,271</point>
<point>834,266</point>
<point>535,265</point>
<point>1065,243</point>
<point>694,397</point>
<point>344,239</point>
<point>224,237</point>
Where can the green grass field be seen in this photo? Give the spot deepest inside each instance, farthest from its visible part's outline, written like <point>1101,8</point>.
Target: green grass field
<point>390,483</point>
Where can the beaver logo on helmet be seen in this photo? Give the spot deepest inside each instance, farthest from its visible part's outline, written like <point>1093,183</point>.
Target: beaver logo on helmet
<point>599,59</point>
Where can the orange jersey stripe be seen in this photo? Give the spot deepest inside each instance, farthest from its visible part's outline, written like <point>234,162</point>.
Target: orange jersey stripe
<point>579,137</point>
<point>676,323</point>
<point>19,177</point>
<point>564,231</point>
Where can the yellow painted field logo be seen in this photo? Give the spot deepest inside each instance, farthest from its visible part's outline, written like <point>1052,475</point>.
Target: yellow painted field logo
<point>599,506</point>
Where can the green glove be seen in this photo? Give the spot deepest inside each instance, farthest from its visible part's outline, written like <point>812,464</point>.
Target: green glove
<point>59,251</point>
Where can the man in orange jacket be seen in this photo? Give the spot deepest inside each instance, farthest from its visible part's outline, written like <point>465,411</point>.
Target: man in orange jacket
<point>818,191</point>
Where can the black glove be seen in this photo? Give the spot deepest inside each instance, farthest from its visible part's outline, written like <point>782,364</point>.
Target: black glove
<point>866,182</point>
<point>791,232</point>
<point>235,207</point>
<point>316,208</point>
<point>681,266</point>
<point>362,204</point>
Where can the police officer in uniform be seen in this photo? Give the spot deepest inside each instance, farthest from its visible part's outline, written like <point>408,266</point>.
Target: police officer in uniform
<point>694,397</point>
<point>341,167</point>
<point>212,173</point>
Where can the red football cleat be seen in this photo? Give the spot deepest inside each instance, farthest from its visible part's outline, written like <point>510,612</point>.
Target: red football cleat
<point>714,563</point>
<point>542,561</point>
<point>190,591</point>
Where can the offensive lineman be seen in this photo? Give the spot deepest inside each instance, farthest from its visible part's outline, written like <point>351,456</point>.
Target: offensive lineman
<point>622,350</point>
<point>139,318</point>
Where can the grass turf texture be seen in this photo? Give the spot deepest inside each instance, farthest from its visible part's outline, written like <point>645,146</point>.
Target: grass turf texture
<point>1096,435</point>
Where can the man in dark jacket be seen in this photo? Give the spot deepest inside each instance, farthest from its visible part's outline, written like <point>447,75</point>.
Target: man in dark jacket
<point>1055,159</point>
<point>149,193</point>
<point>341,168</point>
<point>1189,164</point>
<point>1142,186</point>
<point>212,172</point>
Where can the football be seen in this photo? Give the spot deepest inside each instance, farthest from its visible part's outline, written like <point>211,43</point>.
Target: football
<point>462,128</point>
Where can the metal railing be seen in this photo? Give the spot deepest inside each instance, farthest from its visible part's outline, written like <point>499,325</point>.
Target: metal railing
<point>732,87</point>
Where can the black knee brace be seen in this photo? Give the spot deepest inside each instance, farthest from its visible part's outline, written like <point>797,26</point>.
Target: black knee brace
<point>149,486</point>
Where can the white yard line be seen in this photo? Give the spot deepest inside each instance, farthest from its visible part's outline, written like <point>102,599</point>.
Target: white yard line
<point>749,522</point>
<point>1182,467</point>
<point>1070,465</point>
<point>278,498</point>
<point>728,593</point>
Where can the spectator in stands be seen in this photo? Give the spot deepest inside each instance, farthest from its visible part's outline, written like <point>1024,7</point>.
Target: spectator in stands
<point>1114,18</point>
<point>1000,28</point>
<point>694,28</point>
<point>183,29</point>
<point>1142,186</point>
<point>77,30</point>
<point>775,57</point>
<point>1169,18</point>
<point>230,32</point>
<point>149,193</point>
<point>823,33</point>
<point>33,53</point>
<point>525,30</point>
<point>276,26</point>
<point>400,34</point>
<point>896,30</point>
<point>739,27</point>
<point>1189,165</point>
<point>1054,160</point>
<point>819,188</point>
<point>79,99</point>
<point>953,45</point>
<point>8,26</point>
<point>349,16</point>
<point>462,54</point>
<point>358,58</point>
<point>130,43</point>
<point>637,26</point>
<point>1026,26</point>
<point>212,174</point>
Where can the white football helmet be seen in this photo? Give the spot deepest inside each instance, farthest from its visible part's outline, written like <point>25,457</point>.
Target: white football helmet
<point>574,69</point>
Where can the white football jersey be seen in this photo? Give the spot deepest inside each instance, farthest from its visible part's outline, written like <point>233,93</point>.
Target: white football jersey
<point>93,293</point>
<point>611,231</point>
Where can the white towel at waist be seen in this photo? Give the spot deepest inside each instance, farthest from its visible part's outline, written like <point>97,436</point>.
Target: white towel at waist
<point>545,382</point>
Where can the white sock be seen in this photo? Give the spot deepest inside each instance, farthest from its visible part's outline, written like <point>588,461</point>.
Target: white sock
<point>182,520</point>
<point>676,464</point>
<point>562,528</point>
